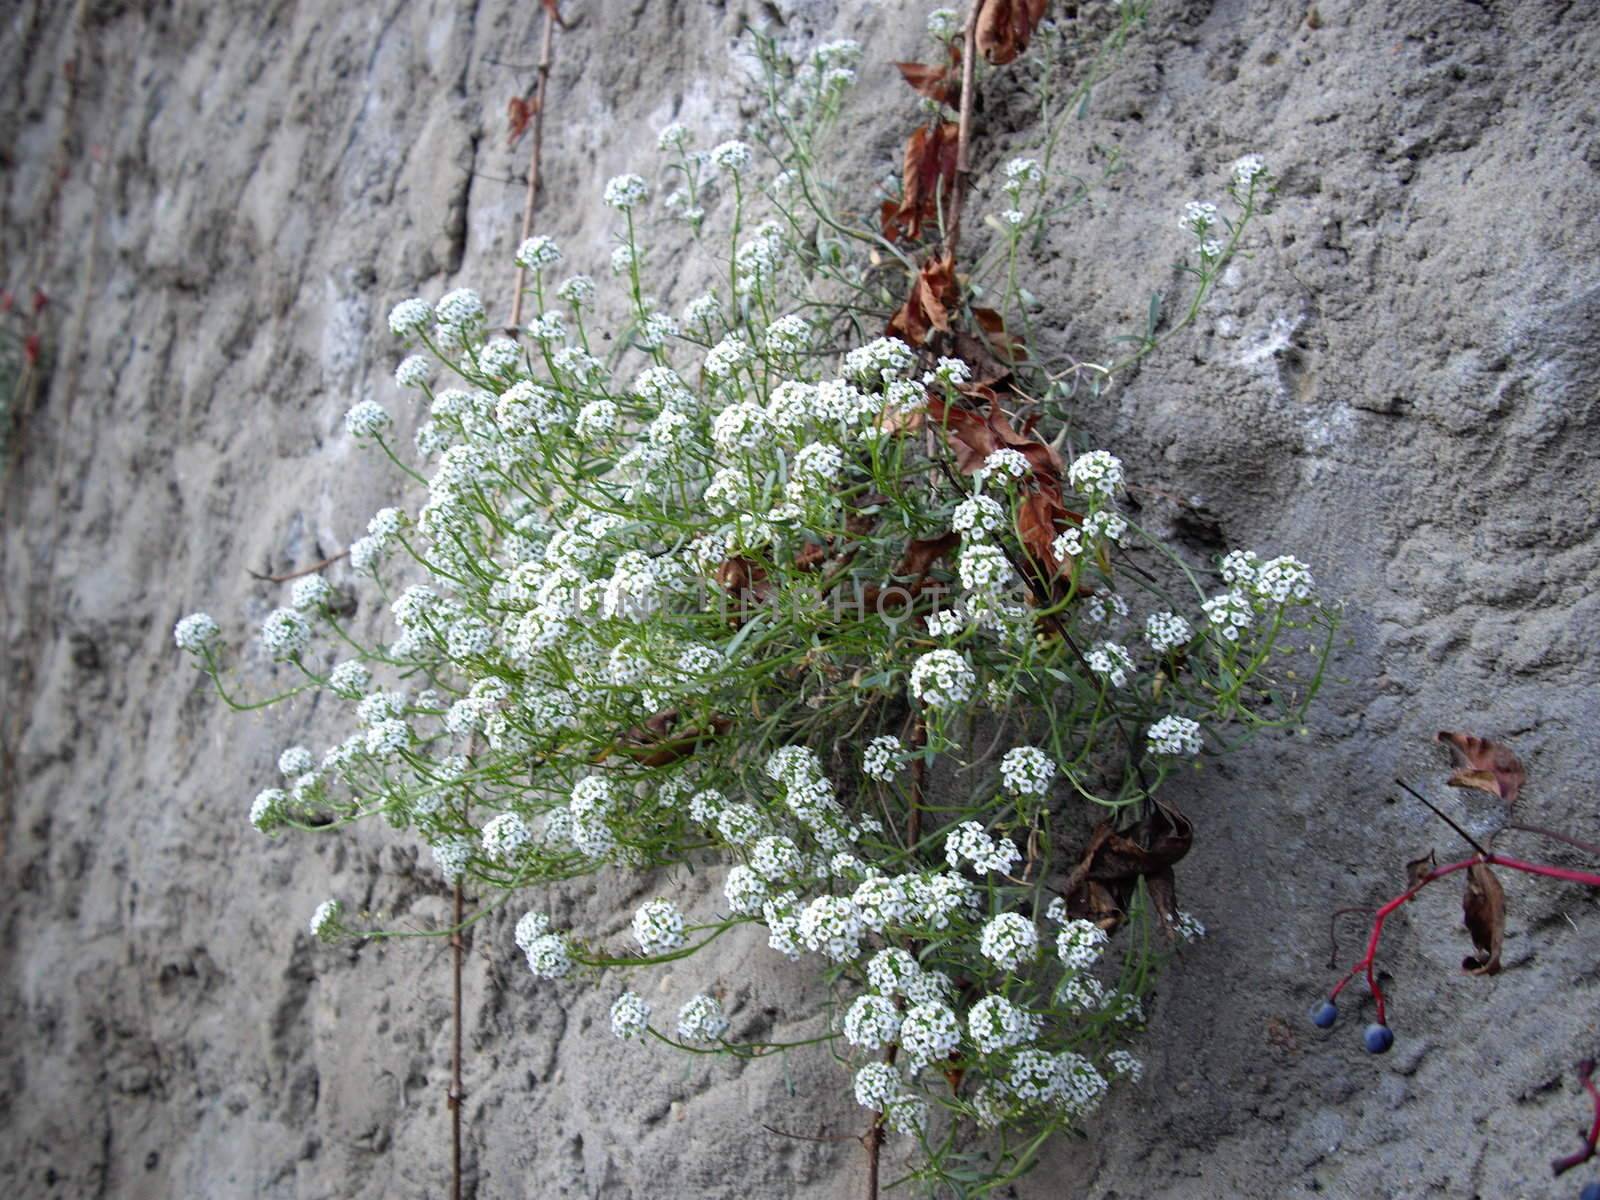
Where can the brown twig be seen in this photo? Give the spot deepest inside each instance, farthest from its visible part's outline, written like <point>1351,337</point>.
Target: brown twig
<point>1586,847</point>
<point>1464,835</point>
<point>958,192</point>
<point>455,1047</point>
<point>552,17</point>
<point>810,1137</point>
<point>288,575</point>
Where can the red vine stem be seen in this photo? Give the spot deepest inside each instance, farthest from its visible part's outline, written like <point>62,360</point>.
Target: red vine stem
<point>1364,966</point>
<point>1592,1138</point>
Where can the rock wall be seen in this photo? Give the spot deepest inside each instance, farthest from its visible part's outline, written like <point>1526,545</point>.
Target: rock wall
<point>1400,383</point>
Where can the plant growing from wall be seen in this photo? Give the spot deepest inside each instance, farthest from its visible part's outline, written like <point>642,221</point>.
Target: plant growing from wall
<point>804,586</point>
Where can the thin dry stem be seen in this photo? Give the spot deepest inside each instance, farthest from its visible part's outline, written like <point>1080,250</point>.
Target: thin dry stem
<point>958,193</point>
<point>551,17</point>
<point>296,574</point>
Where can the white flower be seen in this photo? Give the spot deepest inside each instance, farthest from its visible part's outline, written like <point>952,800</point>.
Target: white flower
<point>1283,579</point>
<point>788,335</point>
<point>595,419</point>
<point>1009,940</point>
<point>349,680</point>
<point>1198,217</point>
<point>460,309</point>
<point>879,361</point>
<point>892,970</point>
<point>1166,632</point>
<point>1111,662</point>
<point>624,259</point>
<point>368,419</point>
<point>1079,944</point>
<point>266,810</point>
<point>739,824</point>
<point>673,137</point>
<point>409,316</point>
<point>776,858</point>
<point>658,927</point>
<point>1229,613</point>
<point>505,837</point>
<point>882,901</point>
<point>1096,473</point>
<point>878,1085</point>
<point>732,157</point>
<point>1027,771</point>
<point>701,1020</point>
<point>997,1024</point>
<point>414,371</point>
<point>983,567</point>
<point>1079,1088</point>
<point>938,899</point>
<point>818,464</point>
<point>700,312</point>
<point>948,372</point>
<point>929,1033</point>
<point>872,1022</point>
<point>537,253</point>
<point>1125,1066</point>
<point>656,329</point>
<point>880,759</point>
<point>745,890</point>
<point>450,856</point>
<point>1246,171</point>
<point>1005,463</point>
<point>727,356</point>
<point>624,192</point>
<point>741,426</point>
<point>1239,567</point>
<point>830,925</point>
<point>978,514</point>
<point>285,633</point>
<point>549,956</point>
<point>630,1016</point>
<point>1189,927</point>
<point>578,291</point>
<point>1174,735</point>
<point>325,921</point>
<point>548,328</point>
<point>530,925</point>
<point>296,761</point>
<point>942,679</point>
<point>968,842</point>
<point>196,633</point>
<point>943,24</point>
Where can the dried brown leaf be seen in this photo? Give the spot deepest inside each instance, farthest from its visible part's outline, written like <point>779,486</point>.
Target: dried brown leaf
<point>938,83</point>
<point>922,553</point>
<point>1418,868</point>
<point>1489,766</point>
<point>1005,27</point>
<point>1102,884</point>
<point>519,112</point>
<point>928,173</point>
<point>934,294</point>
<point>1483,908</point>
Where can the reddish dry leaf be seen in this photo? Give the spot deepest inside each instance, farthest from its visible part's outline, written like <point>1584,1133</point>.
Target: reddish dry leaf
<point>659,742</point>
<point>746,581</point>
<point>1038,518</point>
<point>938,83</point>
<point>1483,908</point>
<point>810,556</point>
<point>1490,767</point>
<point>1005,27</point>
<point>927,308</point>
<point>928,174</point>
<point>519,112</point>
<point>1418,868</point>
<point>922,553</point>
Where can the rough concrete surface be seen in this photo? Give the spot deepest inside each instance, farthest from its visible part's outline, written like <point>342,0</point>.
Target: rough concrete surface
<point>1399,383</point>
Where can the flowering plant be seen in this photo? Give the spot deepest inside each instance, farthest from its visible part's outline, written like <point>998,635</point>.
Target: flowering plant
<point>834,612</point>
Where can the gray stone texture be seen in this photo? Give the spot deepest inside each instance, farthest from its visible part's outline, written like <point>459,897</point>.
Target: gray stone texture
<point>1399,382</point>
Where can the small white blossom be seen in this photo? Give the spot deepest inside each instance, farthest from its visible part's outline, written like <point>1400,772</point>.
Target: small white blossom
<point>871,1022</point>
<point>530,925</point>
<point>196,633</point>
<point>1111,662</point>
<point>1080,943</point>
<point>505,837</point>
<point>1096,473</point>
<point>537,253</point>
<point>368,419</point>
<point>997,1024</point>
<point>266,810</point>
<point>880,759</point>
<point>409,316</point>
<point>1125,1066</point>
<point>732,157</point>
<point>658,927</point>
<point>1009,940</point>
<point>701,1020</point>
<point>673,137</point>
<point>1027,771</point>
<point>978,515</point>
<point>461,309</point>
<point>942,679</point>
<point>878,1085</point>
<point>831,926</point>
<point>929,1033</point>
<point>285,633</point>
<point>630,1016</point>
<point>624,192</point>
<point>1166,632</point>
<point>325,921</point>
<point>969,843</point>
<point>549,957</point>
<point>745,890</point>
<point>1198,217</point>
<point>1174,735</point>
<point>1229,613</point>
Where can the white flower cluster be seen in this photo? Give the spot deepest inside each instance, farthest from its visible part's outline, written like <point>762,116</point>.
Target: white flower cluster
<point>1166,632</point>
<point>1009,940</point>
<point>325,925</point>
<point>1111,662</point>
<point>1174,735</point>
<point>537,253</point>
<point>942,679</point>
<point>1079,944</point>
<point>970,843</point>
<point>1097,473</point>
<point>1027,771</point>
<point>701,1020</point>
<point>880,759</point>
<point>196,633</point>
<point>625,192</point>
<point>658,927</point>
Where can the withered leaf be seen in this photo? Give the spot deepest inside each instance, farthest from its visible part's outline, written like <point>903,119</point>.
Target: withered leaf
<point>922,553</point>
<point>1005,27</point>
<point>938,83</point>
<point>1483,908</point>
<point>1102,884</point>
<point>1490,767</point>
<point>659,742</point>
<point>928,174</point>
<point>519,112</point>
<point>933,294</point>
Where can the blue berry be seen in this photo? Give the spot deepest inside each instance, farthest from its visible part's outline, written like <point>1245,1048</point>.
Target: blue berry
<point>1591,1191</point>
<point>1377,1039</point>
<point>1325,1014</point>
